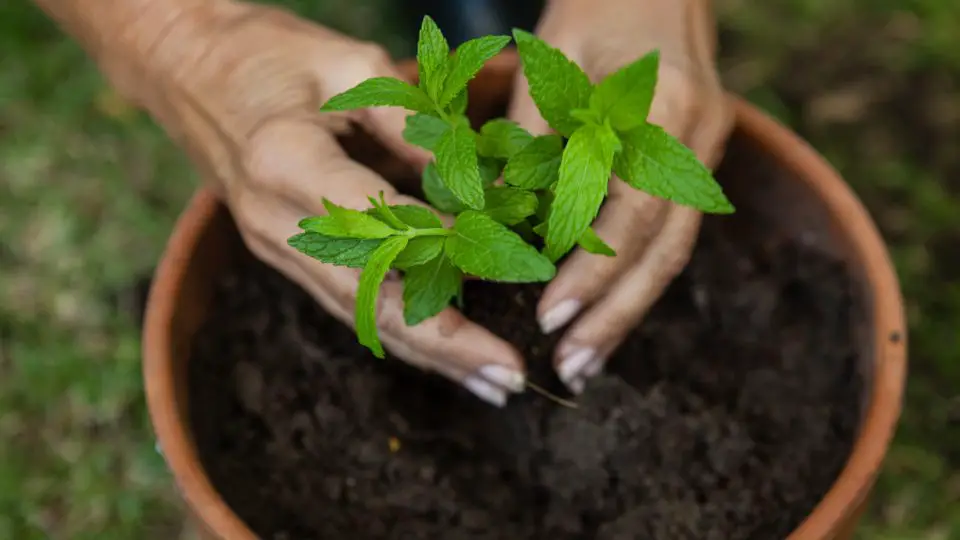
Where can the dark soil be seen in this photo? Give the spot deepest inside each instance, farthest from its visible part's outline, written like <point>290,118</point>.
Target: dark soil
<point>727,415</point>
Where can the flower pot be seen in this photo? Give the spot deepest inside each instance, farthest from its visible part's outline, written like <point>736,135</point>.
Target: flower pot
<point>811,203</point>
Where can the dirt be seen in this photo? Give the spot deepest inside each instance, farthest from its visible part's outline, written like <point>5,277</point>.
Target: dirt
<point>726,415</point>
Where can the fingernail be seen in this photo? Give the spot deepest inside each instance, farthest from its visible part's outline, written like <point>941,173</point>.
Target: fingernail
<point>508,378</point>
<point>559,315</point>
<point>485,391</point>
<point>572,366</point>
<point>576,385</point>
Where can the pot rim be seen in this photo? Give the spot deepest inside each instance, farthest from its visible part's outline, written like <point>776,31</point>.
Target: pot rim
<point>834,509</point>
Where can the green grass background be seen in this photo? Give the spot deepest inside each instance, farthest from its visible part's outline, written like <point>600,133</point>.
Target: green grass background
<point>89,191</point>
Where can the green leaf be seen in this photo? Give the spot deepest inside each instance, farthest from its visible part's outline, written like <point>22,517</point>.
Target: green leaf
<point>456,153</point>
<point>624,97</point>
<point>424,130</point>
<point>349,252</point>
<point>346,223</point>
<point>654,161</point>
<point>383,212</point>
<point>369,289</point>
<point>557,85</point>
<point>509,205</point>
<point>490,170</point>
<point>502,139</point>
<point>417,217</point>
<point>544,202</point>
<point>592,243</point>
<point>459,104</point>
<point>428,288</point>
<point>537,165</point>
<point>432,53</point>
<point>584,175</point>
<point>489,250</point>
<point>466,63</point>
<point>437,194</point>
<point>380,92</point>
<point>420,250</point>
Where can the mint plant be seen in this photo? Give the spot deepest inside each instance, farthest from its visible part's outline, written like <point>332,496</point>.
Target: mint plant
<point>552,185</point>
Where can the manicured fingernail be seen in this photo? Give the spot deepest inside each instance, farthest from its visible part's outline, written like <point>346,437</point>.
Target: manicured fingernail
<point>572,366</point>
<point>510,379</point>
<point>576,385</point>
<point>559,315</point>
<point>486,391</point>
<point>592,369</point>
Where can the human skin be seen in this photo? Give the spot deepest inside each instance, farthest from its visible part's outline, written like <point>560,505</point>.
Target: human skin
<point>238,85</point>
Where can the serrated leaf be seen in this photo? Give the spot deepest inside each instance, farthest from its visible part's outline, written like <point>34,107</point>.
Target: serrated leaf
<point>349,252</point>
<point>509,205</point>
<point>657,163</point>
<point>424,130</point>
<point>417,217</point>
<point>466,63</point>
<point>489,250</point>
<point>584,175</point>
<point>383,212</point>
<point>346,223</point>
<point>432,53</point>
<point>369,289</point>
<point>592,243</point>
<point>459,104</point>
<point>490,170</point>
<point>537,165</point>
<point>428,289</point>
<point>419,250</point>
<point>380,92</point>
<point>624,97</point>
<point>502,139</point>
<point>557,85</point>
<point>456,161</point>
<point>436,193</point>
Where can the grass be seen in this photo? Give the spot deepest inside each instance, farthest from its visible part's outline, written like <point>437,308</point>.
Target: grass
<point>89,190</point>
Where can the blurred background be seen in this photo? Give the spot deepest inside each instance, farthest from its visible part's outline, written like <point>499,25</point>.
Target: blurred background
<point>89,190</point>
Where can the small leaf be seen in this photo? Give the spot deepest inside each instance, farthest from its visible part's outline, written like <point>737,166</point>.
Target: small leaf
<point>624,97</point>
<point>502,139</point>
<point>592,243</point>
<point>369,289</point>
<point>459,103</point>
<point>383,212</point>
<point>489,250</point>
<point>509,205</point>
<point>557,85</point>
<point>466,62</point>
<point>490,170</point>
<point>456,153</point>
<point>346,223</point>
<point>437,194</point>
<point>654,161</point>
<point>417,217</point>
<point>584,175</point>
<point>428,288</point>
<point>432,53</point>
<point>424,130</point>
<point>380,92</point>
<point>537,165</point>
<point>419,250</point>
<point>544,202</point>
<point>349,252</point>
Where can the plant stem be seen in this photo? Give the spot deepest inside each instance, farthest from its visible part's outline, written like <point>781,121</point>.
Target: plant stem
<point>430,232</point>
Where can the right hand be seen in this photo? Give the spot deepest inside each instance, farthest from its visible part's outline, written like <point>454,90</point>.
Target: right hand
<point>239,86</point>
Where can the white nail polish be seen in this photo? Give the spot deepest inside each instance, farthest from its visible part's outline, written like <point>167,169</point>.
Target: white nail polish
<point>485,391</point>
<point>510,379</point>
<point>576,385</point>
<point>559,315</point>
<point>572,366</point>
<point>593,368</point>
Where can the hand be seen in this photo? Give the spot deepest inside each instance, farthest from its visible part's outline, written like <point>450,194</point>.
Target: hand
<point>652,237</point>
<point>239,86</point>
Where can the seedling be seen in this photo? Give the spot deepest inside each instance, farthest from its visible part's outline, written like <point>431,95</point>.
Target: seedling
<point>553,185</point>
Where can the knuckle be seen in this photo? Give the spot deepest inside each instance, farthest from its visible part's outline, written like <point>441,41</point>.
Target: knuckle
<point>372,55</point>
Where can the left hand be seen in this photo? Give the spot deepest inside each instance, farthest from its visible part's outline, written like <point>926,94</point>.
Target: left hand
<point>653,238</point>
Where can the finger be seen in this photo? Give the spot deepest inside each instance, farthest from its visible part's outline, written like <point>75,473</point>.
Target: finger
<point>592,338</point>
<point>295,162</point>
<point>387,125</point>
<point>522,109</point>
<point>627,223</point>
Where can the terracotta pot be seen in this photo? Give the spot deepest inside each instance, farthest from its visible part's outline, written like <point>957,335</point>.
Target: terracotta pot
<point>811,200</point>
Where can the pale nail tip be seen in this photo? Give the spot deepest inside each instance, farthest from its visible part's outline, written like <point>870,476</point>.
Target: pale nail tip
<point>559,315</point>
<point>486,391</point>
<point>508,378</point>
<point>573,364</point>
<point>592,369</point>
<point>576,386</point>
